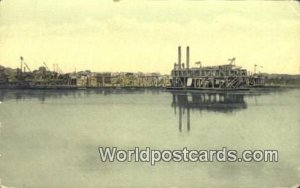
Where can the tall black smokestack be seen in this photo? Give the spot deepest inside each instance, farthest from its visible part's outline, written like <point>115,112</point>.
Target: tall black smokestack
<point>187,57</point>
<point>179,57</point>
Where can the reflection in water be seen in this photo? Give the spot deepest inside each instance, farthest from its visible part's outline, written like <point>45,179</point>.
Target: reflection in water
<point>182,101</point>
<point>72,129</point>
<point>217,102</point>
<point>43,94</point>
<point>220,102</point>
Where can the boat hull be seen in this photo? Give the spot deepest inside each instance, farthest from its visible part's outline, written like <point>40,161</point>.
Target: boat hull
<point>208,89</point>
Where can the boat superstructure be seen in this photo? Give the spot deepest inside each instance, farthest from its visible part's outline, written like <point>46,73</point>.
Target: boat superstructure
<point>221,77</point>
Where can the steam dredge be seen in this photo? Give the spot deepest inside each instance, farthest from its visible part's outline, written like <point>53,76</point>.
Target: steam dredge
<point>221,77</point>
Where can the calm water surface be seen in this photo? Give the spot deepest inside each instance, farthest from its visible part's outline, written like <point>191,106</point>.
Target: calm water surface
<point>50,138</point>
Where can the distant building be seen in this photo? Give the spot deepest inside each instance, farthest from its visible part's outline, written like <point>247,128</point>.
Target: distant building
<point>82,81</point>
<point>100,79</point>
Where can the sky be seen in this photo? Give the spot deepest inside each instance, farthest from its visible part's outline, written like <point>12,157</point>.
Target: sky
<point>140,35</point>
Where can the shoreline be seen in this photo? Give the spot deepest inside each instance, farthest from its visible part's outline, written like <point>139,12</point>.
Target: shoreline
<point>139,87</point>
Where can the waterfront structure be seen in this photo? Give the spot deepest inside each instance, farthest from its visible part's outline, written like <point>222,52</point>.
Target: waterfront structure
<point>45,78</point>
<point>227,76</point>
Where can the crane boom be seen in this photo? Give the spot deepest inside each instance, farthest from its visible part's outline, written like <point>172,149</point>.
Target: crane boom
<point>46,66</point>
<point>27,66</point>
<point>59,69</point>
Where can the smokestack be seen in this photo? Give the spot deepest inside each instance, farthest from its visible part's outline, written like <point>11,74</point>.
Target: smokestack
<point>187,57</point>
<point>179,57</point>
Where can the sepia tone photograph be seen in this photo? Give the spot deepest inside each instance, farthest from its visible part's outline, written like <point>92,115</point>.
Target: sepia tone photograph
<point>149,94</point>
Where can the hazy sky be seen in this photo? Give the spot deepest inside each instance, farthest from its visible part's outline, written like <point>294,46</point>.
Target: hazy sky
<point>144,35</point>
